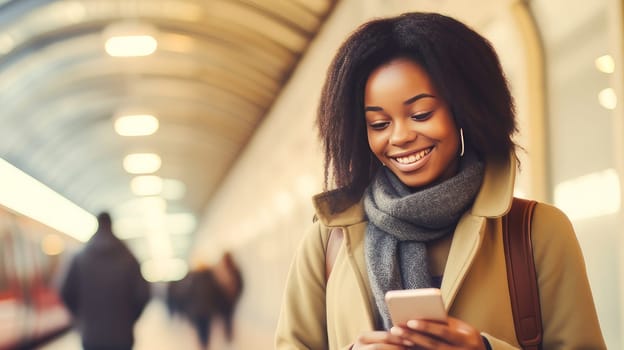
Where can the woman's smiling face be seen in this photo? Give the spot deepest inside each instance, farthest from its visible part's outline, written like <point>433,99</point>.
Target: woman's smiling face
<point>410,128</point>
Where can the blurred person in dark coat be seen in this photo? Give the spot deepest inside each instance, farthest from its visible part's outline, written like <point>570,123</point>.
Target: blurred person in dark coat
<point>203,302</point>
<point>230,282</point>
<point>104,291</point>
<point>177,296</point>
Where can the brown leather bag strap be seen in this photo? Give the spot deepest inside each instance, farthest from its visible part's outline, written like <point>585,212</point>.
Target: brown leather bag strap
<point>336,234</point>
<point>521,275</point>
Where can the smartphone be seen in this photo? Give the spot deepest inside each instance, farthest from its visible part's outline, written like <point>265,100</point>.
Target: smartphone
<point>415,304</point>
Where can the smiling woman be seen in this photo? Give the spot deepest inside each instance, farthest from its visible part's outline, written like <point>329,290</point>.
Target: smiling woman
<point>416,120</point>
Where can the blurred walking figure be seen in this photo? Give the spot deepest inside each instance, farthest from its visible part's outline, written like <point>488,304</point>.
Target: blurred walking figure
<point>203,302</point>
<point>104,290</point>
<point>206,293</point>
<point>230,283</point>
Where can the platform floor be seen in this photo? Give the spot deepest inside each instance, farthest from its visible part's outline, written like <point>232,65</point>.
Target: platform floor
<point>155,331</point>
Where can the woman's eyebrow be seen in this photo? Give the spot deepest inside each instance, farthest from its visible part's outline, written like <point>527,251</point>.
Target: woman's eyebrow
<point>406,102</point>
<point>416,98</point>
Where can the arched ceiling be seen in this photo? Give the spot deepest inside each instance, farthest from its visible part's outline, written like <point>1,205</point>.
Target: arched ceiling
<point>217,69</point>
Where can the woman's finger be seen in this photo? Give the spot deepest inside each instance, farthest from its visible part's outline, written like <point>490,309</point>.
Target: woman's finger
<point>381,337</point>
<point>419,340</point>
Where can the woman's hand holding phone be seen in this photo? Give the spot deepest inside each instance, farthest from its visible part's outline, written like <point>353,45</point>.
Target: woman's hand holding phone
<point>423,334</point>
<point>421,321</point>
<point>454,334</point>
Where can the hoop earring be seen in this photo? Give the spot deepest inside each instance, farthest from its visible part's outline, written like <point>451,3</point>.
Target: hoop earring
<point>461,138</point>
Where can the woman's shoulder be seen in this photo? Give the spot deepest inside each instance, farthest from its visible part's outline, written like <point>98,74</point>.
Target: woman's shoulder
<point>338,208</point>
<point>552,227</point>
<point>550,216</point>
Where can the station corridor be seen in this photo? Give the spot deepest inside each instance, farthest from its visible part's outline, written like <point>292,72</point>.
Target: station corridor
<point>200,139</point>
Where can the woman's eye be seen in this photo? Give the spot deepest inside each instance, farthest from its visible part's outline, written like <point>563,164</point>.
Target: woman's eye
<point>378,125</point>
<point>422,116</point>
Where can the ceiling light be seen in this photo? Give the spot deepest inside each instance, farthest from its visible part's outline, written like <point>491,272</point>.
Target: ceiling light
<point>130,39</point>
<point>173,189</point>
<point>131,45</point>
<point>605,64</point>
<point>140,207</point>
<point>23,194</point>
<point>136,125</point>
<point>158,241</point>
<point>171,269</point>
<point>181,223</point>
<point>146,185</point>
<point>142,163</point>
<point>607,98</point>
<point>131,225</point>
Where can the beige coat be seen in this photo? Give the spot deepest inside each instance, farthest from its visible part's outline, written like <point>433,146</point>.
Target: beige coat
<point>474,285</point>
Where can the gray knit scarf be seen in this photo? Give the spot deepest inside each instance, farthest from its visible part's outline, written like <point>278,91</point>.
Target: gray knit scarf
<point>401,222</point>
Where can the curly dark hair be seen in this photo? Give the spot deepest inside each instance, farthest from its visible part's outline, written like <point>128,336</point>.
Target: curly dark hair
<point>461,63</point>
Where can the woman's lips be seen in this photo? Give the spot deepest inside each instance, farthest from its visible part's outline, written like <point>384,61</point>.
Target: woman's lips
<point>413,161</point>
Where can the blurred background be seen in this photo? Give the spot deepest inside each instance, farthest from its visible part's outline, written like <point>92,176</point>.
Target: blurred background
<point>192,123</point>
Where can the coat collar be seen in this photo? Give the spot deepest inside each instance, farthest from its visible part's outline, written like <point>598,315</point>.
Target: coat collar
<point>496,193</point>
<point>493,200</point>
<point>334,208</point>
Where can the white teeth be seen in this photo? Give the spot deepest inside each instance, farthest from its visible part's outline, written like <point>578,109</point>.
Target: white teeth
<point>413,157</point>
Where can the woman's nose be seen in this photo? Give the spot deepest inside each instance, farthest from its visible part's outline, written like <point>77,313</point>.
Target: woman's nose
<point>402,134</point>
